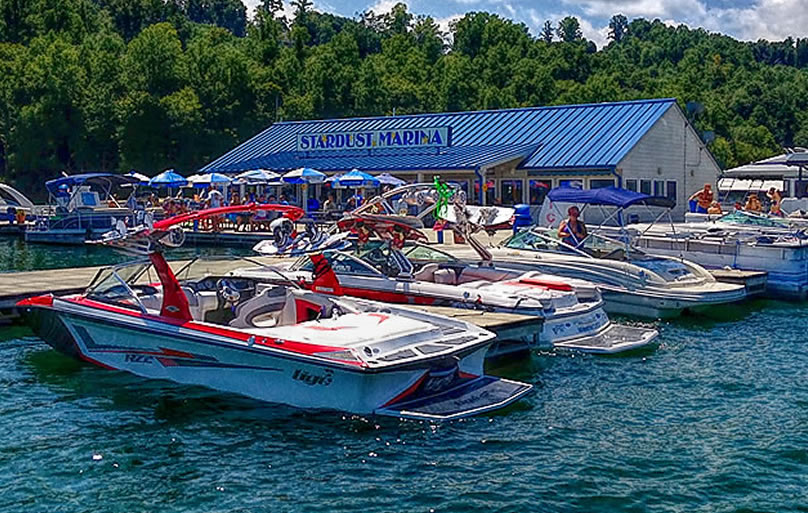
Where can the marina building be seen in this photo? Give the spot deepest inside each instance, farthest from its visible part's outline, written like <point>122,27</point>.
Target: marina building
<point>508,156</point>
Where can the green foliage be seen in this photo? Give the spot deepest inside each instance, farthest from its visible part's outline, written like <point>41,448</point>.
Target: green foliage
<point>101,85</point>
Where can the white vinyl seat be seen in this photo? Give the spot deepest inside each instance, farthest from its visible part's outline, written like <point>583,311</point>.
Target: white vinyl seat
<point>445,277</point>
<point>201,302</point>
<point>427,272</point>
<point>263,310</point>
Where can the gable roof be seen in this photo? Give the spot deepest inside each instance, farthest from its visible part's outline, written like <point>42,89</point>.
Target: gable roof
<point>587,136</point>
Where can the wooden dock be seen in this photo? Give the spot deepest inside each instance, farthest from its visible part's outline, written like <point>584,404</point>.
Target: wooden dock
<point>754,281</point>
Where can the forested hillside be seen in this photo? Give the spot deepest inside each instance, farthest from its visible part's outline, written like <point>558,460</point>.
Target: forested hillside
<point>90,85</point>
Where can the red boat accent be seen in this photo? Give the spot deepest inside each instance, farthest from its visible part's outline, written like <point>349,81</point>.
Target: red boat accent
<point>386,296</point>
<point>290,212</point>
<point>412,388</point>
<point>44,300</point>
<point>175,302</point>
<point>325,279</point>
<point>547,284</point>
<point>285,345</point>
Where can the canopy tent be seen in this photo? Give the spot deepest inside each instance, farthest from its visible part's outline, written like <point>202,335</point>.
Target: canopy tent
<point>357,178</point>
<point>168,178</point>
<point>105,179</point>
<point>607,196</point>
<point>303,175</point>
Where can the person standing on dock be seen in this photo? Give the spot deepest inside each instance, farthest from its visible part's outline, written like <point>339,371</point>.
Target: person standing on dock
<point>704,198</point>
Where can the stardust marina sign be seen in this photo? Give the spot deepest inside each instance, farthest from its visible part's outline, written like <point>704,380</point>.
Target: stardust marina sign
<point>371,139</point>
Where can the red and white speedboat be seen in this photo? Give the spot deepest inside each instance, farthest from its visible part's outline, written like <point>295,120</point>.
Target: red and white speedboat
<point>390,264</point>
<point>273,342</point>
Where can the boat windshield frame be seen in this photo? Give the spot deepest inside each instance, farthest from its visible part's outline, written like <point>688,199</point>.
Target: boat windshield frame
<point>112,274</point>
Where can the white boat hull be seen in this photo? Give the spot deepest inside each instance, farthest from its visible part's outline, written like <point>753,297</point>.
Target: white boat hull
<point>156,351</point>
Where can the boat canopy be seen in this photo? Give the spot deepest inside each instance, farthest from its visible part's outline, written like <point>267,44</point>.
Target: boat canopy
<point>609,196</point>
<point>107,179</point>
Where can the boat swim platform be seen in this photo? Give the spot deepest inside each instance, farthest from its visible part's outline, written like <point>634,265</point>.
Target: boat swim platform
<point>754,281</point>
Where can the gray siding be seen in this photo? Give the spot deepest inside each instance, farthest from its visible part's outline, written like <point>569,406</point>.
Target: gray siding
<point>671,151</point>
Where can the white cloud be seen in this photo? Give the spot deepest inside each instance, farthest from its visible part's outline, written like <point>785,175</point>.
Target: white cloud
<point>445,23</point>
<point>767,19</point>
<point>385,6</point>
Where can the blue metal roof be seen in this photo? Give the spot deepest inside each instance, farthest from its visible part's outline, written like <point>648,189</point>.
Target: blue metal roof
<point>588,136</point>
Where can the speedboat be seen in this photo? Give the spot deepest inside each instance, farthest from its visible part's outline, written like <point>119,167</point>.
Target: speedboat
<point>632,282</point>
<point>753,245</point>
<point>738,240</point>
<point>269,341</point>
<point>393,266</point>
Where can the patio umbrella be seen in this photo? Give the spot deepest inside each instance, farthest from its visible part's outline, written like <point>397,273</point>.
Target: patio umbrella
<point>303,175</point>
<point>168,178</point>
<point>257,176</point>
<point>215,179</point>
<point>388,179</point>
<point>143,179</point>
<point>357,178</point>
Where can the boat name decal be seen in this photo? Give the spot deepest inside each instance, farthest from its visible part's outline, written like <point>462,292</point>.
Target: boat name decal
<point>138,358</point>
<point>434,137</point>
<point>324,379</point>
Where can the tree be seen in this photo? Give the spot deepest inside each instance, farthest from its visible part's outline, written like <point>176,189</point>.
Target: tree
<point>618,28</point>
<point>302,9</point>
<point>547,32</point>
<point>569,30</point>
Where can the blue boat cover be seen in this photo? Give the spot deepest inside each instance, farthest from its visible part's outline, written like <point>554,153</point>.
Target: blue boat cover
<point>610,196</point>
<point>89,178</point>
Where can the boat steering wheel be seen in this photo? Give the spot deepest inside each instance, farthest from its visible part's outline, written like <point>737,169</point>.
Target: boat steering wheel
<point>228,291</point>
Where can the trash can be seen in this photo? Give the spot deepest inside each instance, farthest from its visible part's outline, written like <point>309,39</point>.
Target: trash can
<point>521,217</point>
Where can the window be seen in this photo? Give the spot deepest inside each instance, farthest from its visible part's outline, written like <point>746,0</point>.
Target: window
<point>575,184</point>
<point>489,190</point>
<point>600,183</point>
<point>645,187</point>
<point>670,190</point>
<point>539,190</point>
<point>510,192</point>
<point>631,185</point>
<point>424,254</point>
<point>659,188</point>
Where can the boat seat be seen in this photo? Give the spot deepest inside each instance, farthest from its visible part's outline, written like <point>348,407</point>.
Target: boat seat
<point>427,272</point>
<point>445,277</point>
<point>300,306</point>
<point>263,310</point>
<point>470,274</point>
<point>201,302</point>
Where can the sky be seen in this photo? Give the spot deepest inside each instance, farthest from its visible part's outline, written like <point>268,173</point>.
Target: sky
<point>743,19</point>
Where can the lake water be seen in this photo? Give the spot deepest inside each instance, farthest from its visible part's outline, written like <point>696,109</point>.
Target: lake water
<point>714,419</point>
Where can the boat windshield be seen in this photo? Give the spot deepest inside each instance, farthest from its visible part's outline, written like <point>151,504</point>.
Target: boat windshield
<point>594,246</point>
<point>421,254</point>
<point>113,285</point>
<point>341,263</point>
<point>536,240</point>
<point>749,219</point>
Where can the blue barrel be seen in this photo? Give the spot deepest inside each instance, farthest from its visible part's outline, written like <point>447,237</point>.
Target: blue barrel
<point>521,217</point>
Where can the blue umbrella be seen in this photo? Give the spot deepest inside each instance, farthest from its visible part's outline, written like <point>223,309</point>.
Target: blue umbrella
<point>388,179</point>
<point>357,178</point>
<point>303,175</point>
<point>209,179</point>
<point>258,176</point>
<point>168,178</point>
